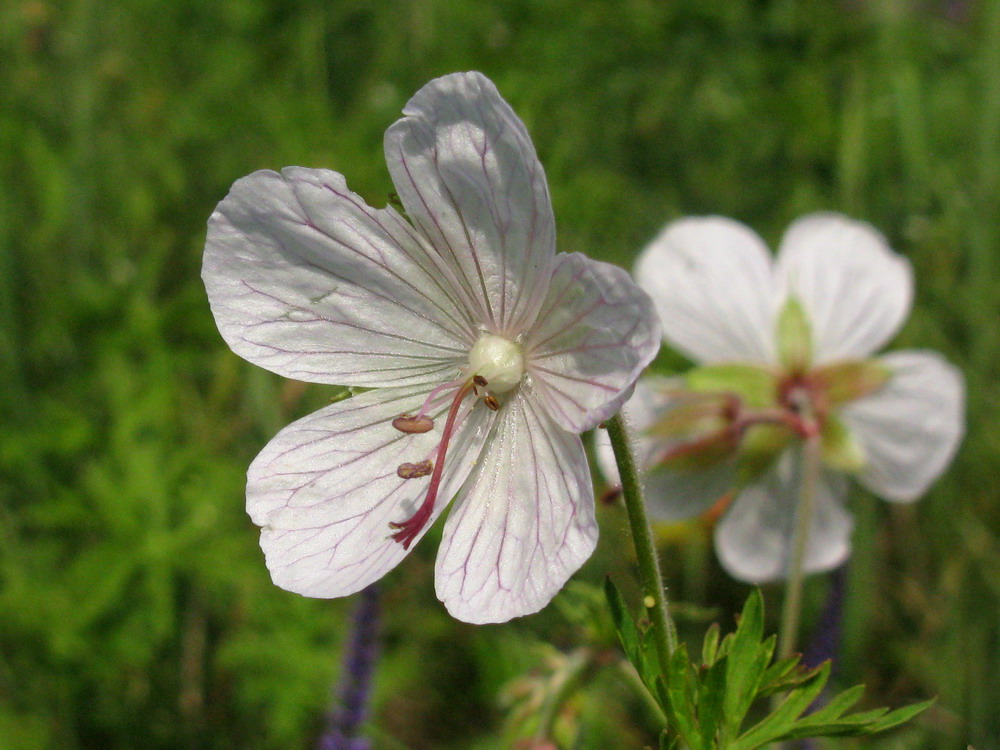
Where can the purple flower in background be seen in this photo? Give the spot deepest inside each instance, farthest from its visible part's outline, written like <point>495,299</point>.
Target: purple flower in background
<point>489,353</point>
<point>355,681</point>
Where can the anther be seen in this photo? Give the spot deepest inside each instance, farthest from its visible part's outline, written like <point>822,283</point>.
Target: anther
<point>480,381</point>
<point>414,471</point>
<point>491,401</point>
<point>413,425</point>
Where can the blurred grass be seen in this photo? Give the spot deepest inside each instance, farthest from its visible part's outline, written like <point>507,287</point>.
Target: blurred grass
<point>135,610</point>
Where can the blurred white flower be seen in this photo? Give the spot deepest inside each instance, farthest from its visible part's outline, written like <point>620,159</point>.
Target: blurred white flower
<point>489,354</point>
<point>789,339</point>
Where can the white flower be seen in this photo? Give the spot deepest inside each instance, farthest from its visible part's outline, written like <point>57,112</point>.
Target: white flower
<point>791,335</point>
<point>489,353</point>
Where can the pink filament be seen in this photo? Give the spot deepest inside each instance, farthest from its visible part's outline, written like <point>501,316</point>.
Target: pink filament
<point>407,531</point>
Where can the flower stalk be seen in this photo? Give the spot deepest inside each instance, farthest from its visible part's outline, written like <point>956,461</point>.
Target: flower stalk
<point>810,459</point>
<point>654,596</point>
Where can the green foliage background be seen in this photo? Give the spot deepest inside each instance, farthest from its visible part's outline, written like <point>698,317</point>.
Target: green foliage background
<point>135,610</point>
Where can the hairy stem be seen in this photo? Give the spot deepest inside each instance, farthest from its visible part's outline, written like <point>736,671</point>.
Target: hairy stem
<point>654,597</point>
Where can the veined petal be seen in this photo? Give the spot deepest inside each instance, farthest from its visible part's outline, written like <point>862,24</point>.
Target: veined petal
<point>711,281</point>
<point>856,291</point>
<point>595,333</point>
<point>468,176</point>
<point>754,538</point>
<point>525,523</point>
<point>325,489</point>
<point>308,281</point>
<point>911,427</point>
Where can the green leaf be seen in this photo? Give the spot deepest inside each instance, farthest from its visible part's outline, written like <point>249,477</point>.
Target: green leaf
<point>633,641</point>
<point>836,707</point>
<point>754,384</point>
<point>794,336</point>
<point>779,723</point>
<point>627,632</point>
<point>900,716</point>
<point>782,675</point>
<point>746,661</point>
<point>629,635</point>
<point>681,690</point>
<point>710,646</point>
<point>711,698</point>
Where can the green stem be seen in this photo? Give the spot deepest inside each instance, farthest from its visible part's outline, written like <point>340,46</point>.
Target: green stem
<point>653,595</point>
<point>792,607</point>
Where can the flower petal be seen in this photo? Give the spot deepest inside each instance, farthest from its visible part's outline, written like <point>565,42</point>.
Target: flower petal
<point>677,494</point>
<point>595,333</point>
<point>711,281</point>
<point>911,427</point>
<point>754,539</point>
<point>325,489</point>
<point>468,176</point>
<point>856,291</point>
<point>308,281</point>
<point>524,526</point>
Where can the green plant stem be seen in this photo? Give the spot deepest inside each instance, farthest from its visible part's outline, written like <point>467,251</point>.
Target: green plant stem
<point>654,597</point>
<point>792,606</point>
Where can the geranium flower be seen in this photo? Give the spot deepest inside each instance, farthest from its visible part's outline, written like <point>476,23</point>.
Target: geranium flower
<point>784,345</point>
<point>488,351</point>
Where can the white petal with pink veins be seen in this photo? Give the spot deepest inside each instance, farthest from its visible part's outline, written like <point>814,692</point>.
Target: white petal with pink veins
<point>468,176</point>
<point>754,539</point>
<point>325,489</point>
<point>856,291</point>
<point>308,281</point>
<point>711,281</point>
<point>525,524</point>
<point>911,427</point>
<point>595,333</point>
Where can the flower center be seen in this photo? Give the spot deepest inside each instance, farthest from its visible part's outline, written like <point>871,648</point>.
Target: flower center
<point>497,360</point>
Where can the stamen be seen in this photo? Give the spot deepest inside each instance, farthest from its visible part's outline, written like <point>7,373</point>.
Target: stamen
<point>480,381</point>
<point>408,530</point>
<point>414,471</point>
<point>432,396</point>
<point>491,401</point>
<point>413,425</point>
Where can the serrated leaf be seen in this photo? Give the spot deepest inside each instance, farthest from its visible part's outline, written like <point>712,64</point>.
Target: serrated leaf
<point>711,697</point>
<point>782,720</point>
<point>782,675</point>
<point>900,716</point>
<point>838,705</point>
<point>681,690</point>
<point>746,660</point>
<point>789,681</point>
